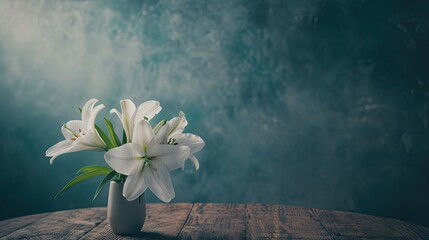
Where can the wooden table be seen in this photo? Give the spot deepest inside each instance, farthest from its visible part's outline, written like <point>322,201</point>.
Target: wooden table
<point>215,221</point>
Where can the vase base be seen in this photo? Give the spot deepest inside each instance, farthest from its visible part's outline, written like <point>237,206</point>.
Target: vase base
<point>125,217</point>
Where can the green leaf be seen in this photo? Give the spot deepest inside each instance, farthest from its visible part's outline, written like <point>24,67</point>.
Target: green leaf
<point>113,137</point>
<point>80,109</point>
<point>102,183</point>
<point>119,178</point>
<point>99,168</point>
<point>104,137</point>
<point>124,137</point>
<point>79,179</point>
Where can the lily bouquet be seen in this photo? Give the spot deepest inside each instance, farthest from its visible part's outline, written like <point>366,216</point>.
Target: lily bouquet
<point>144,157</point>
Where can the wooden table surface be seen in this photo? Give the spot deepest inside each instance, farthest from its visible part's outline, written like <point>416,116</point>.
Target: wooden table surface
<point>215,221</point>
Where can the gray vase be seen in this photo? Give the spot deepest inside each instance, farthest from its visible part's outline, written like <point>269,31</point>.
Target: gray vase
<point>125,217</point>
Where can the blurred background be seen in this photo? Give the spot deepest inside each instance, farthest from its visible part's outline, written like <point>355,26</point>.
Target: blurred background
<point>320,104</point>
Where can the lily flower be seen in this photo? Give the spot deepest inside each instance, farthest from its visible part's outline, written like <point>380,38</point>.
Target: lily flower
<point>147,162</point>
<point>79,134</point>
<point>131,114</point>
<point>194,142</point>
<point>175,136</point>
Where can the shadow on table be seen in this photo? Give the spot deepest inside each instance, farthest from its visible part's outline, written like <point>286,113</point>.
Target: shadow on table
<point>151,235</point>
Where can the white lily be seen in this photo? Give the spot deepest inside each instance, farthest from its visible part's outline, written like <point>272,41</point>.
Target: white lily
<point>147,162</point>
<point>194,142</point>
<point>175,136</point>
<point>131,114</point>
<point>79,134</point>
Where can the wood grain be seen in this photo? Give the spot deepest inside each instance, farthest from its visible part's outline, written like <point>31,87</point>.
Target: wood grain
<point>283,222</point>
<point>71,224</point>
<point>215,221</point>
<point>163,221</point>
<point>347,225</point>
<point>408,230</point>
<point>11,225</point>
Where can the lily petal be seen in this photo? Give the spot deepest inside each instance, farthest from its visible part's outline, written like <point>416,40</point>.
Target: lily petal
<point>126,159</point>
<point>58,149</point>
<point>193,141</point>
<point>177,124</point>
<point>117,113</point>
<point>91,141</point>
<point>194,161</point>
<point>147,109</point>
<point>134,186</point>
<point>158,180</point>
<point>160,137</point>
<point>128,108</point>
<point>143,133</point>
<point>72,129</point>
<point>90,122</point>
<point>173,157</point>
<point>87,108</point>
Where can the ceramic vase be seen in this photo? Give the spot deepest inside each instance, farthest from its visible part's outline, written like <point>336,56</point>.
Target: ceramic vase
<point>125,217</point>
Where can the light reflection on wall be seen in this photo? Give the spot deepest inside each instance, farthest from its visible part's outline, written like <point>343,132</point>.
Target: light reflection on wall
<point>301,103</point>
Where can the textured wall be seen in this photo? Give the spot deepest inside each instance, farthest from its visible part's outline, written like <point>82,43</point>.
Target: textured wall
<point>313,103</point>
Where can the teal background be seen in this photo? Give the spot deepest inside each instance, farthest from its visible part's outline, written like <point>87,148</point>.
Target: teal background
<point>319,104</point>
